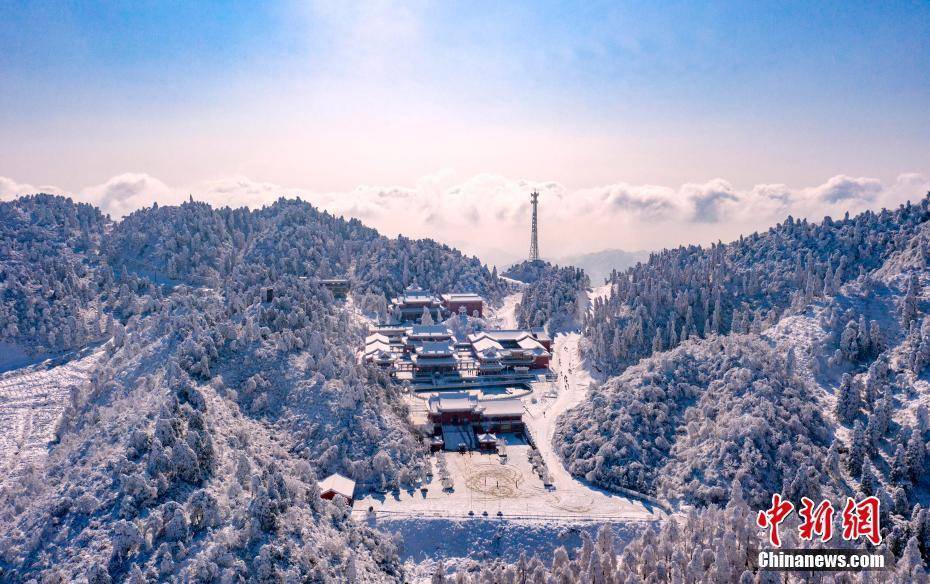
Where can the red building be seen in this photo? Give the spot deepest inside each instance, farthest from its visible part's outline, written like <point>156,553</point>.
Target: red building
<point>460,408</point>
<point>455,302</point>
<point>453,408</point>
<point>543,337</point>
<point>336,484</point>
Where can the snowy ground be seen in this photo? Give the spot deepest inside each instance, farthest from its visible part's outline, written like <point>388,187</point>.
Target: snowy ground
<point>12,356</point>
<point>552,400</point>
<point>31,400</point>
<point>602,291</point>
<point>486,485</point>
<point>803,334</point>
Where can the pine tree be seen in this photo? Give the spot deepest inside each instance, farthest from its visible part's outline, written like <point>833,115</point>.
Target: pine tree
<point>915,454</point>
<point>833,456</point>
<point>439,575</point>
<point>849,342</point>
<point>863,340</point>
<point>877,338</point>
<point>911,566</point>
<point>867,481</point>
<point>657,341</point>
<point>900,473</point>
<point>909,305</point>
<point>899,499</point>
<point>847,400</point>
<point>857,449</point>
<point>717,321</point>
<point>877,423</point>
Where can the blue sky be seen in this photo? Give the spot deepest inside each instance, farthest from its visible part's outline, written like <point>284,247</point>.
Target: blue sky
<point>326,96</point>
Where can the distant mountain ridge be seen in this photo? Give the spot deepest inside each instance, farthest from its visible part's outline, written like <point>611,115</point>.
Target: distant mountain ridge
<point>599,264</point>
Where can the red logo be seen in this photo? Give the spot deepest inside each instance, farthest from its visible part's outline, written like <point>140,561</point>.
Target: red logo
<point>859,519</point>
<point>817,521</point>
<point>771,518</point>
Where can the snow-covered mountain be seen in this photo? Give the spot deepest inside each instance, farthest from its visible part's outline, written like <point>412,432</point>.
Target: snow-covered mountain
<point>742,286</point>
<point>192,449</point>
<point>816,386</point>
<point>191,416</point>
<point>688,423</point>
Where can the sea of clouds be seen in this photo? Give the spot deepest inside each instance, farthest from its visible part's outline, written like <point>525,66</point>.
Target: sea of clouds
<point>488,215</point>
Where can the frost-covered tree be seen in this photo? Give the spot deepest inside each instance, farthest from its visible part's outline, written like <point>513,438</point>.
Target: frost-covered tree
<point>915,455</point>
<point>848,401</point>
<point>858,447</point>
<point>909,308</point>
<point>554,296</point>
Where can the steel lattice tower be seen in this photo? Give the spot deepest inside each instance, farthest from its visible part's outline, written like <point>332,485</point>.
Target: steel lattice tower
<point>534,235</point>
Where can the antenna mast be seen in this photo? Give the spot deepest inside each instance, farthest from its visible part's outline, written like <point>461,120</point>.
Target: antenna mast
<point>534,236</point>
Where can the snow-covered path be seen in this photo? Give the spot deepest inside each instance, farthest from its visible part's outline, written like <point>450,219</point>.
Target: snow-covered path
<point>505,317</point>
<point>569,390</point>
<point>31,400</point>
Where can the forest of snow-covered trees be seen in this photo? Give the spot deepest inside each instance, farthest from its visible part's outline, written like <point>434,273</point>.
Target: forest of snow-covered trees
<point>713,544</point>
<point>742,286</point>
<point>553,297</point>
<point>194,450</point>
<point>51,290</point>
<point>159,475</point>
<point>687,424</point>
<point>815,386</point>
<point>65,268</point>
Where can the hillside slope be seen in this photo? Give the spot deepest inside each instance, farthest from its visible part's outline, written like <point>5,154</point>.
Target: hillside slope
<point>743,286</point>
<point>192,447</point>
<point>159,474</point>
<point>825,397</point>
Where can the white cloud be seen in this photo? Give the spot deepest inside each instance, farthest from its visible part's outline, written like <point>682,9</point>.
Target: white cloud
<point>129,191</point>
<point>845,188</point>
<point>710,201</point>
<point>10,189</point>
<point>488,214</point>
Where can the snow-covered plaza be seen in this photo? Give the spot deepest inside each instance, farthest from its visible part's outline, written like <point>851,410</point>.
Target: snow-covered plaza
<point>486,485</point>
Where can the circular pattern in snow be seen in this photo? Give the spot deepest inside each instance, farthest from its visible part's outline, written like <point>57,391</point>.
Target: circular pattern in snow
<point>495,481</point>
